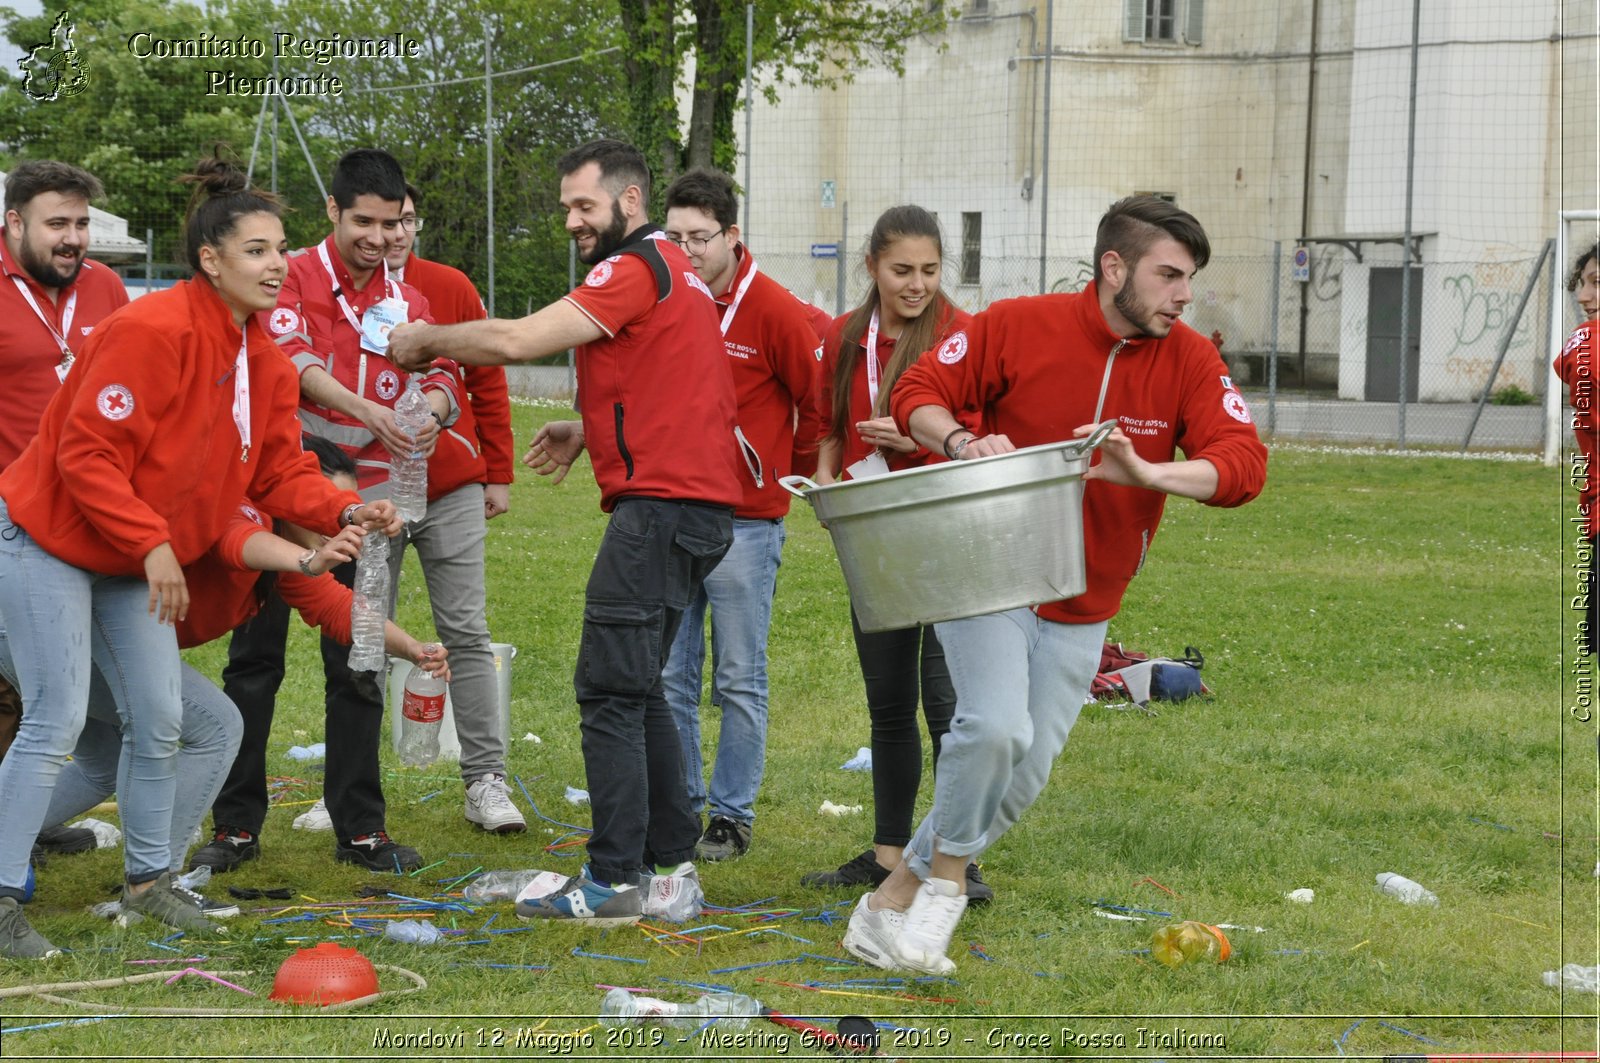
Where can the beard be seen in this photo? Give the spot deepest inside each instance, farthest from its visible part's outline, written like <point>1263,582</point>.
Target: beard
<point>608,239</point>
<point>43,269</point>
<point>1139,314</point>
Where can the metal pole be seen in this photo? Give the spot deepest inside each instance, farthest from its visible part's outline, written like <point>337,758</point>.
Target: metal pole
<point>275,102</point>
<point>1405,256</point>
<point>572,282</point>
<point>488,142</point>
<point>749,83</point>
<point>149,259</point>
<point>255,143</point>
<point>1306,179</point>
<point>1272,355</point>
<point>1044,169</point>
<point>1505,344</point>
<point>838,261</point>
<point>311,164</point>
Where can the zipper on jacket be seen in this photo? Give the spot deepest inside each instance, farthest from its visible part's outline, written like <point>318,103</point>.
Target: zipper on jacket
<point>622,443</point>
<point>1105,381</point>
<point>752,459</point>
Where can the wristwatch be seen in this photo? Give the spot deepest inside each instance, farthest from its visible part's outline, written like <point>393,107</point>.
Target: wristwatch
<point>348,517</point>
<point>305,562</point>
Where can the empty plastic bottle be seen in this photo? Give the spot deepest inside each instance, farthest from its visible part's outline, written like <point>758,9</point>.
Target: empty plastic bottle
<point>509,885</point>
<point>371,605</point>
<point>421,716</point>
<point>408,473</point>
<point>622,1008</point>
<point>1404,890</point>
<point>1189,941</point>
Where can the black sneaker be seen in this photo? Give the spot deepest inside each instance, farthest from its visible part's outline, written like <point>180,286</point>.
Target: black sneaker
<point>724,839</point>
<point>226,850</point>
<point>64,839</point>
<point>978,891</point>
<point>863,870</point>
<point>376,852</point>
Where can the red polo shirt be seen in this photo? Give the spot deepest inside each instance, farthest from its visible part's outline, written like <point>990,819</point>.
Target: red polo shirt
<point>29,351</point>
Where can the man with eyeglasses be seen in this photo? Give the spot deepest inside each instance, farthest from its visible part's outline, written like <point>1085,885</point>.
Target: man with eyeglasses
<point>334,310</point>
<point>469,477</point>
<point>773,353</point>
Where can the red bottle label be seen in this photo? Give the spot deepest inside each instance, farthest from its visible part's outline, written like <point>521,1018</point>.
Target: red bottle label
<point>422,708</point>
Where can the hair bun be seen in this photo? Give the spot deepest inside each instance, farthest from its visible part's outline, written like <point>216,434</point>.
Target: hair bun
<point>216,176</point>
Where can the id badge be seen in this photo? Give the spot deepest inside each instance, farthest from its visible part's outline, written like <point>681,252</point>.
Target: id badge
<point>868,467</point>
<point>380,320</point>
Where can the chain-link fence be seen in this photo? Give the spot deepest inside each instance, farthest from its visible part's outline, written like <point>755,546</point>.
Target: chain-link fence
<point>1322,157</point>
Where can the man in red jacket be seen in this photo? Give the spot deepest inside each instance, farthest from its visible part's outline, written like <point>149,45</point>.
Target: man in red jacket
<point>348,388</point>
<point>1044,369</point>
<point>773,353</point>
<point>469,477</point>
<point>658,422</point>
<point>52,295</point>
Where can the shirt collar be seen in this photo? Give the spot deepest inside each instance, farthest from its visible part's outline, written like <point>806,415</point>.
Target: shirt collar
<point>1093,322</point>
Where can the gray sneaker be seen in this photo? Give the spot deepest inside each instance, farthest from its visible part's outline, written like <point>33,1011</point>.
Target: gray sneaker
<point>18,940</point>
<point>163,903</point>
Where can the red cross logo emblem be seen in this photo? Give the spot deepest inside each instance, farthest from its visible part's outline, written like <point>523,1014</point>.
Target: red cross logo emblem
<point>283,321</point>
<point>115,402</point>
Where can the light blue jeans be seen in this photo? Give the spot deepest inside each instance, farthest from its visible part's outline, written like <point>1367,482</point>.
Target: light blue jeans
<point>64,623</point>
<point>209,740</point>
<point>739,592</point>
<point>449,542</point>
<point>1020,683</point>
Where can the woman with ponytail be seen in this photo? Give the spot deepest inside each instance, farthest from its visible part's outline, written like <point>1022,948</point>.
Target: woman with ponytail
<point>904,316</point>
<point>178,406</point>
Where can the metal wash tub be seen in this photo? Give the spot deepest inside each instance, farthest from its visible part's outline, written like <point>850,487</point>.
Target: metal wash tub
<point>960,538</point>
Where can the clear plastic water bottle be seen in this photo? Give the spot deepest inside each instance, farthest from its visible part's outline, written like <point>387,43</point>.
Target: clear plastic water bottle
<point>371,605</point>
<point>1404,890</point>
<point>622,1008</point>
<point>421,715</point>
<point>408,474</point>
<point>1189,941</point>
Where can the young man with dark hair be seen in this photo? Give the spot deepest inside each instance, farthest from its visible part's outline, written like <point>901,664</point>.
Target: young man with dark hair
<point>348,390</point>
<point>469,478</point>
<point>1044,369</point>
<point>658,420</point>
<point>773,354</point>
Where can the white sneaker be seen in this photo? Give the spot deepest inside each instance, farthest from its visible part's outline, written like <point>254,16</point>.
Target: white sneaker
<point>924,937</point>
<point>871,934</point>
<point>316,818</point>
<point>677,897</point>
<point>489,806</point>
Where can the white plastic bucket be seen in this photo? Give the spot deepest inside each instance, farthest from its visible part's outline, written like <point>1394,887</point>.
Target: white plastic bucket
<point>449,746</point>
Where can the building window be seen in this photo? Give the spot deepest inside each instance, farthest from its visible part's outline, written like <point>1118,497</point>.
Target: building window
<point>1163,21</point>
<point>971,247</point>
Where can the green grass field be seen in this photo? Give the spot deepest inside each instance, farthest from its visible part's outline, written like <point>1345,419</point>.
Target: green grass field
<point>1385,637</point>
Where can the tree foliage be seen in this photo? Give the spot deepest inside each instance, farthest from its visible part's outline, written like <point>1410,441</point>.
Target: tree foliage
<point>141,123</point>
<point>810,42</point>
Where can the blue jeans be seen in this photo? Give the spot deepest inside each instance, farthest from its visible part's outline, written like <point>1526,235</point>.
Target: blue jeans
<point>63,623</point>
<point>1020,683</point>
<point>209,739</point>
<point>739,591</point>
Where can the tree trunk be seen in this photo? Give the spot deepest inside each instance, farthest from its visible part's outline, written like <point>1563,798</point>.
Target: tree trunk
<point>652,68</point>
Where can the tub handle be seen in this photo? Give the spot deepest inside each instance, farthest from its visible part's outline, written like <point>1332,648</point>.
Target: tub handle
<point>788,483</point>
<point>1095,438</point>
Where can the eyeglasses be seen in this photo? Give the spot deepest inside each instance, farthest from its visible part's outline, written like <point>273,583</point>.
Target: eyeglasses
<point>696,245</point>
<point>411,223</point>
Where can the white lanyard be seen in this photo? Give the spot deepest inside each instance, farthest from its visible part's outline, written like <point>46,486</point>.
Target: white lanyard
<point>738,297</point>
<point>872,362</point>
<point>338,293</point>
<point>66,320</point>
<point>241,393</point>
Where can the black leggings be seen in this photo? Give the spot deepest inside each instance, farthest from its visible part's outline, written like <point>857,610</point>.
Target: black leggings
<point>895,665</point>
